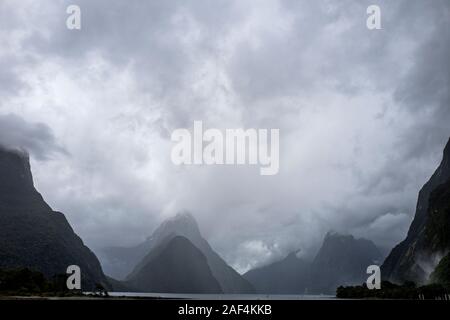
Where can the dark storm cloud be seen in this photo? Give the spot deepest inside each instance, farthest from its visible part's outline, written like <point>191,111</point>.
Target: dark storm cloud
<point>425,89</point>
<point>363,115</point>
<point>157,39</point>
<point>36,138</point>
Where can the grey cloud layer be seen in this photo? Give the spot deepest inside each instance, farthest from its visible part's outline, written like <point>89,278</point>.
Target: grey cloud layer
<point>36,138</point>
<point>363,114</point>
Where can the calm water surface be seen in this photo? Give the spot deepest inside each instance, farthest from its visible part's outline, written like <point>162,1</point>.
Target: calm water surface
<point>222,296</point>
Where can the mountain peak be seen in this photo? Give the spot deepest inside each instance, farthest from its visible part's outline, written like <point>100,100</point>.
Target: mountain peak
<point>183,224</point>
<point>176,265</point>
<point>183,217</point>
<point>16,179</point>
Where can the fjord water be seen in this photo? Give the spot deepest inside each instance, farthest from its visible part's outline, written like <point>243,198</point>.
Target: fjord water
<point>222,296</point>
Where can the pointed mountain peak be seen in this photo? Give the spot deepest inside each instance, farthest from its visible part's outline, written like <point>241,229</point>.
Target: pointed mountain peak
<point>182,224</point>
<point>183,217</point>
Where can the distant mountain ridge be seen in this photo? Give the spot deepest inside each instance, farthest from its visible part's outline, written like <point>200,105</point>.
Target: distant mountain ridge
<point>184,224</point>
<point>32,234</point>
<point>341,260</point>
<point>428,237</point>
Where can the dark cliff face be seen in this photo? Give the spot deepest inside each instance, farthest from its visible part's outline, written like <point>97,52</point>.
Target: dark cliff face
<point>32,234</point>
<point>416,256</point>
<point>437,228</point>
<point>175,266</point>
<point>442,272</point>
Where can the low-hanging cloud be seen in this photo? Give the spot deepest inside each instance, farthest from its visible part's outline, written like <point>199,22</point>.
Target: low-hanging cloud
<point>36,138</point>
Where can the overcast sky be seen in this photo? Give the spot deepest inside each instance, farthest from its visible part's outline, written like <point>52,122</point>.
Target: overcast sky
<point>363,115</point>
